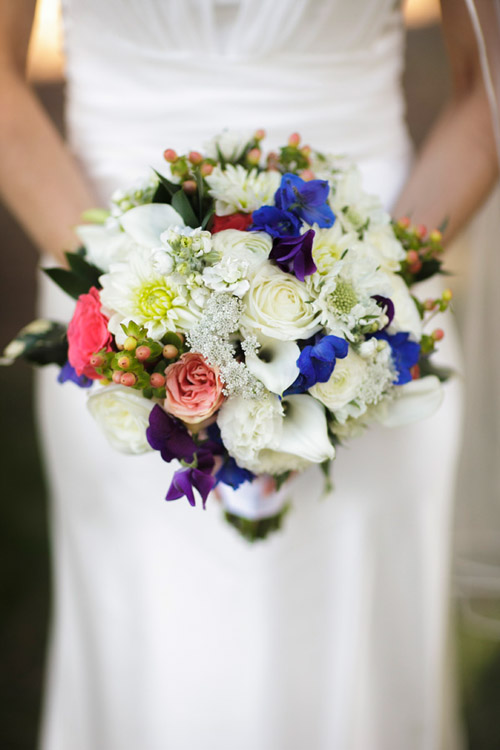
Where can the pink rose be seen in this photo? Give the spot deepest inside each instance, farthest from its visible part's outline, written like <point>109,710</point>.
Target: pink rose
<point>194,388</point>
<point>87,333</point>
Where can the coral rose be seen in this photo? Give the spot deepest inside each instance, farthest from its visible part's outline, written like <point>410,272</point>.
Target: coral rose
<point>194,388</point>
<point>233,221</point>
<point>87,333</point>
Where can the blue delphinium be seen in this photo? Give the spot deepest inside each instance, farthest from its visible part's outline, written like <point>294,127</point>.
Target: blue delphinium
<point>316,363</point>
<point>275,222</point>
<point>308,200</point>
<point>68,372</point>
<point>229,473</point>
<point>405,354</point>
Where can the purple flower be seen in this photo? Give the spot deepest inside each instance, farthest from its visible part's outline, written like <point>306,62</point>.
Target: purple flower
<point>275,222</point>
<point>405,354</point>
<point>68,372</point>
<point>307,200</point>
<point>316,363</point>
<point>294,254</point>
<point>169,436</point>
<point>387,306</point>
<point>198,477</point>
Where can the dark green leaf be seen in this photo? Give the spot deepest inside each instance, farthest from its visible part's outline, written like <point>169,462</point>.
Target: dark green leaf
<point>68,281</point>
<point>85,270</point>
<point>181,203</point>
<point>207,217</point>
<point>170,187</point>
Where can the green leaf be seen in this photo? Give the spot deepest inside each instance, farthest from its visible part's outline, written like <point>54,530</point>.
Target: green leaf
<point>207,217</point>
<point>181,203</point>
<point>85,270</point>
<point>171,187</point>
<point>252,530</point>
<point>68,281</point>
<point>221,157</point>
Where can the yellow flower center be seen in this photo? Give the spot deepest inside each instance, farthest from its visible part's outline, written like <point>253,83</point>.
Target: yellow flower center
<point>154,300</point>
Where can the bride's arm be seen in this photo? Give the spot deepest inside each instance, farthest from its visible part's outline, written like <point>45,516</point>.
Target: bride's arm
<point>39,180</point>
<point>457,165</point>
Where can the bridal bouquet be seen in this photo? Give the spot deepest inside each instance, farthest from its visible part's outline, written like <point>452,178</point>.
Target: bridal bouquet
<point>243,315</point>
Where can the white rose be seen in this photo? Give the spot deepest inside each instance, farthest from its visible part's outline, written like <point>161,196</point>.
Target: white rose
<point>248,426</point>
<point>252,247</point>
<point>279,305</point>
<point>123,415</point>
<point>344,383</point>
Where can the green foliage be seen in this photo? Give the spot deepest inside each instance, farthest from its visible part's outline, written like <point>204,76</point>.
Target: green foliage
<point>78,279</point>
<point>183,206</point>
<point>258,529</point>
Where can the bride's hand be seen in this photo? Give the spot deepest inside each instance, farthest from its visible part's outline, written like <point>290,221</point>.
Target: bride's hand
<point>39,179</point>
<point>457,165</point>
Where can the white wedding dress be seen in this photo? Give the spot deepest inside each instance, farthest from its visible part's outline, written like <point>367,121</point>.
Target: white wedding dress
<point>170,632</point>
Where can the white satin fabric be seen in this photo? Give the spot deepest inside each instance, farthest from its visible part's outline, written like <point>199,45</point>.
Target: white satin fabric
<point>170,632</point>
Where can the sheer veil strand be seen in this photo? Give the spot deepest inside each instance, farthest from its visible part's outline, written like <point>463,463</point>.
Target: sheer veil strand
<point>478,509</point>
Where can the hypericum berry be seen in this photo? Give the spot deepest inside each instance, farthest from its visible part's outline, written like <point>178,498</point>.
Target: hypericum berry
<point>124,362</point>
<point>130,344</point>
<point>259,134</point>
<point>170,155</point>
<point>105,381</point>
<point>429,304</point>
<point>415,372</point>
<point>97,360</point>
<point>195,157</point>
<point>206,169</point>
<point>189,187</point>
<point>416,267</point>
<point>307,175</point>
<point>117,377</point>
<point>294,140</point>
<point>447,295</point>
<point>170,351</point>
<point>253,156</point>
<point>142,353</point>
<point>128,379</point>
<point>412,256</point>
<point>404,222</point>
<point>157,380</point>
<point>306,150</point>
<point>435,236</point>
<point>421,231</point>
<point>438,334</point>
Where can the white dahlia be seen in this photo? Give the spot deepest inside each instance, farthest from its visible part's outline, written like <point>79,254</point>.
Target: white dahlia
<point>236,189</point>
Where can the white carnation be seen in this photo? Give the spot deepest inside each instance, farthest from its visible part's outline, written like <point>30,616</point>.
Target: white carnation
<point>237,189</point>
<point>248,426</point>
<point>279,305</point>
<point>123,415</point>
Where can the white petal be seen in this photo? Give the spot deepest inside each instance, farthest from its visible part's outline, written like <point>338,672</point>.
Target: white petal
<point>104,244</point>
<point>415,400</point>
<point>278,367</point>
<point>146,223</point>
<point>305,431</point>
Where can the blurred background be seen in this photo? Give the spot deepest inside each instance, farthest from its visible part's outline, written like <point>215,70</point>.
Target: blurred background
<point>24,548</point>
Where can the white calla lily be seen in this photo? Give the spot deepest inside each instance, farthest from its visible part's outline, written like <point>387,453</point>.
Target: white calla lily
<point>275,363</point>
<point>144,224</point>
<point>304,431</point>
<point>413,401</point>
<point>104,244</point>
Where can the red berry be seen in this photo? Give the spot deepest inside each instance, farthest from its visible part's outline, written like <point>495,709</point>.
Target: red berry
<point>142,353</point>
<point>170,155</point>
<point>195,157</point>
<point>438,334</point>
<point>421,231</point>
<point>170,351</point>
<point>412,256</point>
<point>206,169</point>
<point>404,222</point>
<point>97,360</point>
<point>128,379</point>
<point>124,363</point>
<point>189,187</point>
<point>294,139</point>
<point>157,380</point>
<point>117,376</point>
<point>259,134</point>
<point>307,175</point>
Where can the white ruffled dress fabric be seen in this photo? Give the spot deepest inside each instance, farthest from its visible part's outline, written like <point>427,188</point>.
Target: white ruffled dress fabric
<point>170,632</point>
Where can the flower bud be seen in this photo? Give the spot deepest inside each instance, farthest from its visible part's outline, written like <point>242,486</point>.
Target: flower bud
<point>306,150</point>
<point>142,353</point>
<point>128,379</point>
<point>170,155</point>
<point>195,157</point>
<point>435,236</point>
<point>97,360</point>
<point>438,334</point>
<point>307,175</point>
<point>259,134</point>
<point>253,156</point>
<point>130,344</point>
<point>170,351</point>
<point>429,304</point>
<point>206,169</point>
<point>404,222</point>
<point>124,362</point>
<point>447,295</point>
<point>117,377</point>
<point>157,380</point>
<point>294,140</point>
<point>189,187</point>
